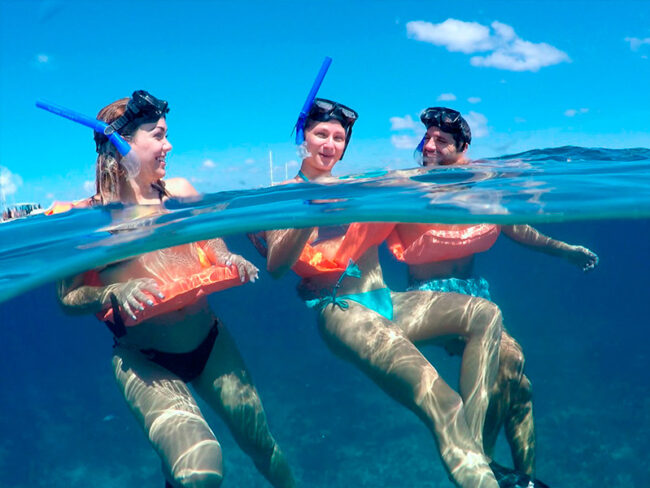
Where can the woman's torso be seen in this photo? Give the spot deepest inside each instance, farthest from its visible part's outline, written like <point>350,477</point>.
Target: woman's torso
<point>176,331</point>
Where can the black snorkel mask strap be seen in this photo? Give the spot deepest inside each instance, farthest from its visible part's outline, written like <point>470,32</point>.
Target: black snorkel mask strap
<point>141,104</point>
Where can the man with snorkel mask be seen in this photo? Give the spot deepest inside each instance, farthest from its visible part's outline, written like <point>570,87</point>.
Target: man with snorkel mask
<point>440,257</point>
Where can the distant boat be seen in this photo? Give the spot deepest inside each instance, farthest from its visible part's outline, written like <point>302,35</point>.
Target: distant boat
<point>19,210</point>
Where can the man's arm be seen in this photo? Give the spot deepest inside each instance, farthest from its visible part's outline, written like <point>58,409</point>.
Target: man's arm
<point>533,239</point>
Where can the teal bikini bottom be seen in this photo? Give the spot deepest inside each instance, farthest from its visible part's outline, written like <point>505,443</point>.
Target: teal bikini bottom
<point>476,287</point>
<point>376,300</point>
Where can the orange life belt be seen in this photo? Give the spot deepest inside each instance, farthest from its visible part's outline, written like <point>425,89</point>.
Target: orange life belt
<point>441,242</point>
<point>180,292</point>
<point>319,259</point>
<point>61,207</point>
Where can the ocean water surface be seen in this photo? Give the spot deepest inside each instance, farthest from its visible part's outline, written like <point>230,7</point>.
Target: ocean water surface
<point>584,335</point>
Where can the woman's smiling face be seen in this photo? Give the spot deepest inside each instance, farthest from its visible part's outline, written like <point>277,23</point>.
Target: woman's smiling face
<point>151,147</point>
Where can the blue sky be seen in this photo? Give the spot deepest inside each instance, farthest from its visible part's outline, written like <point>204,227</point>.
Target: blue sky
<point>526,74</point>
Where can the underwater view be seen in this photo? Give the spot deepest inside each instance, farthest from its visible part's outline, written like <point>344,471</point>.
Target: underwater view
<point>198,296</point>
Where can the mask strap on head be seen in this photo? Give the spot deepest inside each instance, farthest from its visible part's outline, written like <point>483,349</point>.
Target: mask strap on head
<point>302,118</point>
<point>140,104</point>
<point>123,147</point>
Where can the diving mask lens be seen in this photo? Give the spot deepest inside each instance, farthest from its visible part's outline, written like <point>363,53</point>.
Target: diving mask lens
<point>445,118</point>
<point>330,109</point>
<point>144,102</point>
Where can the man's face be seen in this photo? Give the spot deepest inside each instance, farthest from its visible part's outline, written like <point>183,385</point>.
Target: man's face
<point>440,148</point>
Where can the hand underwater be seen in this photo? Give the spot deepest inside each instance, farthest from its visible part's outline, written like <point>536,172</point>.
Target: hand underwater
<point>246,269</point>
<point>130,295</point>
<point>582,257</point>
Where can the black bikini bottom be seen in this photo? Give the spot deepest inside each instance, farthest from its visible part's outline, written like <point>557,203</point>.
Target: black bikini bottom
<point>186,365</point>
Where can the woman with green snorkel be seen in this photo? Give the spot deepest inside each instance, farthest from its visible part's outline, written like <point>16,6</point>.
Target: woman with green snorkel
<point>164,344</point>
<point>365,323</point>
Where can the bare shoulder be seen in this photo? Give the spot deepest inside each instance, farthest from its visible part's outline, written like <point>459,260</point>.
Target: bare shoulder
<point>180,187</point>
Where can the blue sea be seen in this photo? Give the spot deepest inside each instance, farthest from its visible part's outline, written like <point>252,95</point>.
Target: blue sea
<point>585,335</point>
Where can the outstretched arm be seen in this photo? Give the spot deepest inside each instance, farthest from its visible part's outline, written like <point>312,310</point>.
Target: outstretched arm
<point>533,239</point>
<point>284,248</point>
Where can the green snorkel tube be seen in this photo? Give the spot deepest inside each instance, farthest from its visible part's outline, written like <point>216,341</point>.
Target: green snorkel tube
<point>129,162</point>
<point>302,118</point>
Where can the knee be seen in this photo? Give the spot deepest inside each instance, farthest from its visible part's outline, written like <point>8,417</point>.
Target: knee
<point>486,317</point>
<point>198,466</point>
<point>511,360</point>
<point>198,479</point>
<point>243,412</point>
<point>525,389</point>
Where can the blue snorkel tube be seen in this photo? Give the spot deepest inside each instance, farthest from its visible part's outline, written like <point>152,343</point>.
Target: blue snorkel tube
<point>302,118</point>
<point>100,126</point>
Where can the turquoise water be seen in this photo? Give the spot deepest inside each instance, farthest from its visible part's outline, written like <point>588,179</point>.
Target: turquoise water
<point>584,334</point>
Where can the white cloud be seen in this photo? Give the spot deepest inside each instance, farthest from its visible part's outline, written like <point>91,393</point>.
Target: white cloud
<point>522,56</point>
<point>505,50</point>
<point>208,163</point>
<point>477,123</point>
<point>520,120</point>
<point>9,182</point>
<point>455,35</point>
<point>572,112</point>
<point>636,43</point>
<point>401,123</point>
<point>474,100</point>
<point>446,97</point>
<point>405,141</point>
<point>42,62</point>
<point>90,187</point>
<point>292,164</point>
<point>249,161</point>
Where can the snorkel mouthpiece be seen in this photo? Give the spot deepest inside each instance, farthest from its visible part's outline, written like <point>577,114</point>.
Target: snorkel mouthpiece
<point>100,126</point>
<point>302,118</point>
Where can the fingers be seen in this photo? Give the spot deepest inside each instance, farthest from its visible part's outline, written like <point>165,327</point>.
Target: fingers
<point>592,260</point>
<point>253,272</point>
<point>245,269</point>
<point>127,308</point>
<point>150,285</point>
<point>592,263</point>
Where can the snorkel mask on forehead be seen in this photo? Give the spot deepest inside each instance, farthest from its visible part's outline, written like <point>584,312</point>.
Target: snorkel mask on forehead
<point>142,105</point>
<point>324,110</point>
<point>447,120</point>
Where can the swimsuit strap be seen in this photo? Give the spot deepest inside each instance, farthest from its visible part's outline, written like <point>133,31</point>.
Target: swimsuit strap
<point>351,270</point>
<point>302,175</point>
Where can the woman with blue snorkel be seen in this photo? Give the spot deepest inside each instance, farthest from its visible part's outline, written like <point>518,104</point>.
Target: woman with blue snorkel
<point>163,344</point>
<point>376,330</point>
